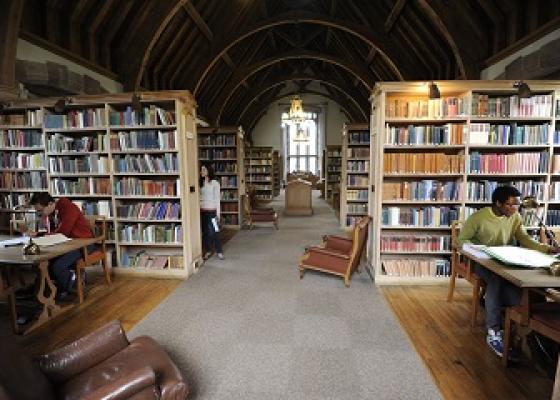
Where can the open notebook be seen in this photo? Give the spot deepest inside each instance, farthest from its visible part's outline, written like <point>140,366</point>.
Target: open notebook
<point>519,256</point>
<point>49,240</point>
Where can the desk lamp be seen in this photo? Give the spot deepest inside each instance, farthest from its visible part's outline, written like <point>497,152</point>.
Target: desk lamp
<point>531,203</point>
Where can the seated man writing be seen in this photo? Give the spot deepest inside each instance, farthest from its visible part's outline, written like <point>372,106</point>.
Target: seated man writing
<point>64,217</point>
<point>499,225</point>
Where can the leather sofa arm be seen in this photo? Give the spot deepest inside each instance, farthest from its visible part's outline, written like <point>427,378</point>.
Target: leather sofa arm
<point>124,388</point>
<point>76,357</point>
<point>328,252</point>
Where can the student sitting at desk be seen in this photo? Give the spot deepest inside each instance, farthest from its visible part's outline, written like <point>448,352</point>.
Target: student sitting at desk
<point>64,217</point>
<point>499,225</point>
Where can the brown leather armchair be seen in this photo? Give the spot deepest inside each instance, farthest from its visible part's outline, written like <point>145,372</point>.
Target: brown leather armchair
<point>101,365</point>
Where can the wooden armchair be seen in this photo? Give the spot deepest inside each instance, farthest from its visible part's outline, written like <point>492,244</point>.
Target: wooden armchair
<point>98,225</point>
<point>252,215</point>
<point>463,268</point>
<point>338,255</point>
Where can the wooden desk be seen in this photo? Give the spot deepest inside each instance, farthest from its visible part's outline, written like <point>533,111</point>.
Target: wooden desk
<point>524,278</point>
<point>12,257</point>
<point>298,198</point>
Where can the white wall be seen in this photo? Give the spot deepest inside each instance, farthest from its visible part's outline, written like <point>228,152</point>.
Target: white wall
<point>497,69</point>
<point>268,132</point>
<point>29,52</point>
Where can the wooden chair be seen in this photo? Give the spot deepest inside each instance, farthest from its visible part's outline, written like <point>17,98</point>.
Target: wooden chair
<point>252,215</point>
<point>7,291</point>
<point>337,255</point>
<point>464,269</point>
<point>98,225</point>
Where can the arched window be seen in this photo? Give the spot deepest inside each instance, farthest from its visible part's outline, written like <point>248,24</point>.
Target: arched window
<point>302,144</point>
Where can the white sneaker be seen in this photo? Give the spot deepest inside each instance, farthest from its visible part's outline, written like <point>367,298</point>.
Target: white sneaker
<point>495,341</point>
<point>221,256</point>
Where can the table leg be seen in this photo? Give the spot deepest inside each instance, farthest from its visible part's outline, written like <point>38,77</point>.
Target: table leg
<point>49,306</point>
<point>525,307</point>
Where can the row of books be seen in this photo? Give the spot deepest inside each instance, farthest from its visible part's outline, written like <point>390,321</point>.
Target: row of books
<point>264,197</point>
<point>357,180</point>
<point>216,140</point>
<point>357,152</point>
<point>511,163</point>
<point>228,182</point>
<point>93,163</point>
<point>553,218</point>
<point>150,261</point>
<point>415,243</point>
<point>148,163</point>
<point>258,170</point>
<point>357,166</point>
<point>352,194</point>
<point>20,138</point>
<point>358,138</point>
<point>143,140</point>
<point>59,143</point>
<point>81,186</point>
<point>436,108</point>
<point>424,216</point>
<point>101,207</point>
<point>258,154</point>
<point>334,168</point>
<point>334,153</point>
<point>256,162</point>
<point>485,133</point>
<point>351,220</point>
<point>482,190</point>
<point>27,117</point>
<point>84,118</point>
<point>221,167</point>
<point>228,195</point>
<point>424,190</point>
<point>531,217</point>
<point>259,178</point>
<point>214,154</point>
<point>556,164</point>
<point>434,267</point>
<point>448,134</point>
<point>146,187</point>
<point>555,191</point>
<point>160,233</point>
<point>357,208</point>
<point>230,219</point>
<point>147,116</point>
<point>13,200</point>
<point>262,187</point>
<point>159,210</point>
<point>22,160</point>
<point>23,180</point>
<point>423,163</point>
<point>485,105</point>
<point>231,207</point>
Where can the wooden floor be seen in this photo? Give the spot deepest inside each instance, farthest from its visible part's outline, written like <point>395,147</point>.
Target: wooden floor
<point>461,364</point>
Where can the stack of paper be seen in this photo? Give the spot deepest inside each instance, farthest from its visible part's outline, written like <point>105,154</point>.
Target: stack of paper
<point>519,256</point>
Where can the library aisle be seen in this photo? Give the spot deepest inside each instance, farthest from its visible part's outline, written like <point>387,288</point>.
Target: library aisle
<point>249,328</point>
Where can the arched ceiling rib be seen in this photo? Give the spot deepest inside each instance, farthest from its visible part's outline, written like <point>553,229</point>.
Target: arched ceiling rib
<point>223,50</point>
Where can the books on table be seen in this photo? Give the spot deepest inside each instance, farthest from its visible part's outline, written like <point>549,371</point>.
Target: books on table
<point>51,240</point>
<point>518,256</point>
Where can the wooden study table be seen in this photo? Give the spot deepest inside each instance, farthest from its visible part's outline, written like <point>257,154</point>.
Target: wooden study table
<point>12,257</point>
<point>526,279</point>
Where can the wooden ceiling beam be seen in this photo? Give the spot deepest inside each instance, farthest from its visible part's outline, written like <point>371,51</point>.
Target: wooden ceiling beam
<point>76,17</point>
<point>497,17</point>
<point>394,15</point>
<point>112,27</point>
<point>93,28</point>
<point>52,22</point>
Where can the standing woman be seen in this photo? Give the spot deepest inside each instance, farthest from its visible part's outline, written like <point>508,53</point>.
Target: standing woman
<point>210,211</point>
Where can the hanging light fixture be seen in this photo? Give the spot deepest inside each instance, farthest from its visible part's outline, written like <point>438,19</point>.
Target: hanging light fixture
<point>433,91</point>
<point>296,113</point>
<point>301,135</point>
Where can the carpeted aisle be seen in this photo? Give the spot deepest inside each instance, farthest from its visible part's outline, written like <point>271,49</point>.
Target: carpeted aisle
<point>249,328</point>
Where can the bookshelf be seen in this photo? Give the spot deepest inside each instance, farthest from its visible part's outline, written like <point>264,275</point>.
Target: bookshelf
<point>354,180</point>
<point>440,160</point>
<point>276,172</point>
<point>134,162</point>
<point>259,171</point>
<point>333,169</point>
<point>223,147</point>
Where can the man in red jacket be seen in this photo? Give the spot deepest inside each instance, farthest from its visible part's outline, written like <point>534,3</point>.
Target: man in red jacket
<point>62,216</point>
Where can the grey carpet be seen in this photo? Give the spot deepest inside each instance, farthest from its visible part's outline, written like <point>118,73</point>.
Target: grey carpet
<point>249,328</point>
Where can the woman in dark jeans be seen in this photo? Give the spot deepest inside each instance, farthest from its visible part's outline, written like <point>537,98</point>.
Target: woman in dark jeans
<point>210,211</point>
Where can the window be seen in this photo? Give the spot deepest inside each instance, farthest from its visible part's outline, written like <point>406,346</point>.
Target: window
<point>301,156</point>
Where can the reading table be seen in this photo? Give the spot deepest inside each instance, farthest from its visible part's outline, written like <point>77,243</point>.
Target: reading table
<point>12,257</point>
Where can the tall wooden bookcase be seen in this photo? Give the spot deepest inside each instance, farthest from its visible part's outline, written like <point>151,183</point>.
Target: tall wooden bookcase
<point>333,169</point>
<point>276,172</point>
<point>354,181</point>
<point>223,147</point>
<point>259,171</point>
<point>132,158</point>
<point>439,160</point>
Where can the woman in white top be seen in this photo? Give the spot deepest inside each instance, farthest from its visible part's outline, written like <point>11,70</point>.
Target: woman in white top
<point>210,211</point>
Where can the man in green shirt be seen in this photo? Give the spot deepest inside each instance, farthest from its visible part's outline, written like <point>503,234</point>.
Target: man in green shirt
<point>499,225</point>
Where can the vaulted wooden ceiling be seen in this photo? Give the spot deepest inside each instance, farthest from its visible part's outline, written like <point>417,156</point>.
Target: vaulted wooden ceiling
<point>238,56</point>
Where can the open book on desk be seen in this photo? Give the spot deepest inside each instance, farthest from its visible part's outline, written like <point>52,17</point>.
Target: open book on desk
<point>49,240</point>
<point>519,256</point>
